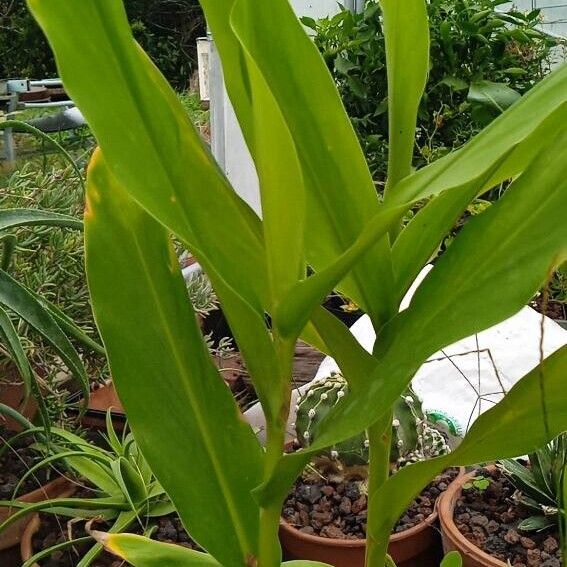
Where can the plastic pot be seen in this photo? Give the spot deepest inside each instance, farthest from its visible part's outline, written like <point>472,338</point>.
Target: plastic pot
<point>453,539</point>
<point>12,535</point>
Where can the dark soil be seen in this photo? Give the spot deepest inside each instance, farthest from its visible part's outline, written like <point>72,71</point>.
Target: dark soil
<point>15,462</point>
<point>489,519</point>
<point>54,530</point>
<point>553,309</point>
<point>338,509</point>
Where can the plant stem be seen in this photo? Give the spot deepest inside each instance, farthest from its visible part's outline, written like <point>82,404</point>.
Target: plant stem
<point>269,550</point>
<point>380,438</point>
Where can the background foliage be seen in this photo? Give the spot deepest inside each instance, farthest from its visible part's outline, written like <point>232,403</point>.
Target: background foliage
<point>472,46</point>
<point>166,29</point>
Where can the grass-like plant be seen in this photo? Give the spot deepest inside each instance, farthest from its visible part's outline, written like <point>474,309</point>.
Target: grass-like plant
<point>154,176</point>
<point>123,490</point>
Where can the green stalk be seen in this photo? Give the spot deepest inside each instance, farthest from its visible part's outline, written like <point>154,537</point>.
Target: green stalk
<point>269,550</point>
<point>380,438</point>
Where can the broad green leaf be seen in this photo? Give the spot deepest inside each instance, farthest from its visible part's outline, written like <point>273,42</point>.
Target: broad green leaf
<point>159,361</point>
<point>24,303</point>
<point>496,95</point>
<point>406,32</point>
<point>355,363</point>
<point>341,196</point>
<point>483,284</point>
<point>164,165</point>
<point>452,559</point>
<point>140,551</point>
<point>528,417</point>
<point>281,189</point>
<point>12,218</point>
<point>421,237</point>
<point>159,158</point>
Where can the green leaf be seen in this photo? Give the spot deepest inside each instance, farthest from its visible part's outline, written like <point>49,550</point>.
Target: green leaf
<point>12,218</point>
<point>297,307</point>
<point>334,173</point>
<point>162,162</point>
<point>452,559</point>
<point>455,83</point>
<point>11,341</point>
<point>24,303</point>
<point>483,284</point>
<point>140,551</point>
<point>420,239</point>
<point>407,56</point>
<point>528,417</point>
<point>57,505</point>
<point>497,95</point>
<point>165,166</point>
<point>131,483</point>
<point>281,188</point>
<point>537,523</point>
<point>166,365</point>
<point>343,65</point>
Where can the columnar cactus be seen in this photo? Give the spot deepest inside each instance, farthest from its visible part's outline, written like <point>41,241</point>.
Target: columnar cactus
<point>413,438</point>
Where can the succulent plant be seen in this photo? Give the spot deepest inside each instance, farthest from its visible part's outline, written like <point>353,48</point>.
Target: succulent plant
<point>539,484</point>
<point>413,438</point>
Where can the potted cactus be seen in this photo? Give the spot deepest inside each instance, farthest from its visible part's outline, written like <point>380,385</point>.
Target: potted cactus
<point>324,516</point>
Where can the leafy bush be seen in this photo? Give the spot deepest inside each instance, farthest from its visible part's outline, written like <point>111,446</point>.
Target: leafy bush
<point>166,29</point>
<point>481,62</point>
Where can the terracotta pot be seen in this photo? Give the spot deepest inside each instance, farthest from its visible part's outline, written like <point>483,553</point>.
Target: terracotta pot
<point>13,394</point>
<point>12,535</point>
<point>452,538</point>
<point>404,547</point>
<point>100,401</point>
<point>413,547</point>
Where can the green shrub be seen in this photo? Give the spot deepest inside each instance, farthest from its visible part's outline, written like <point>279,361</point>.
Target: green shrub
<point>472,46</point>
<point>166,29</point>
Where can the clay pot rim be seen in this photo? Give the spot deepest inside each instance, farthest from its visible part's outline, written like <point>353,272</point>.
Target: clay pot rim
<point>446,508</point>
<point>356,543</point>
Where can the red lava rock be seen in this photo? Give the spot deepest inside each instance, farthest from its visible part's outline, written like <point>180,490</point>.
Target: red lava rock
<point>512,537</point>
<point>333,532</point>
<point>527,543</point>
<point>340,507</point>
<point>359,505</point>
<point>550,545</point>
<point>493,525</point>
